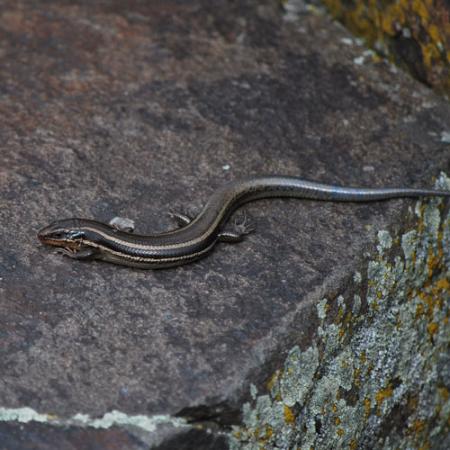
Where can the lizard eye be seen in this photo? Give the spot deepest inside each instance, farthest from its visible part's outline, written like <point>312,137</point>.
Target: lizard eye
<point>58,234</point>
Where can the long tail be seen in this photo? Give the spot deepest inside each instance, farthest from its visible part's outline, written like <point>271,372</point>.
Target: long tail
<point>280,186</point>
<point>231,196</point>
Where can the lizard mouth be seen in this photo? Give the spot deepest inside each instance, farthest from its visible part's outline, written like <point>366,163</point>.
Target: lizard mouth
<point>67,250</point>
<point>70,246</point>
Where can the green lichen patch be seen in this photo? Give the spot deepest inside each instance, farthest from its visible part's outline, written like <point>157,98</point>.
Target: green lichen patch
<point>383,382</point>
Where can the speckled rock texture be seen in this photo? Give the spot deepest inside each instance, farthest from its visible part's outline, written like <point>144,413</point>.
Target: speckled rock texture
<point>136,108</point>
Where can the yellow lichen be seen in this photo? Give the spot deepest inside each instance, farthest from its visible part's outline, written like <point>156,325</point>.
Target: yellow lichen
<point>432,328</point>
<point>340,432</point>
<point>431,301</point>
<point>426,446</point>
<point>363,357</point>
<point>421,10</point>
<point>289,416</point>
<point>382,395</point>
<point>381,24</point>
<point>420,310</point>
<point>443,392</point>
<point>417,426</point>
<point>269,432</point>
<point>434,33</point>
<point>273,379</point>
<point>367,407</point>
<point>443,284</point>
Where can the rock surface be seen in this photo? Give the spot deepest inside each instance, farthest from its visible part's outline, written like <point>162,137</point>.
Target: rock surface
<point>132,109</point>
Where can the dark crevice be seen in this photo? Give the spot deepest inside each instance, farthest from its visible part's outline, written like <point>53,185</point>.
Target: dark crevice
<point>196,439</point>
<point>408,55</point>
<point>220,416</point>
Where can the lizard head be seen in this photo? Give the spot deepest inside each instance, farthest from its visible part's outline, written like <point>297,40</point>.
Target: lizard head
<point>67,234</point>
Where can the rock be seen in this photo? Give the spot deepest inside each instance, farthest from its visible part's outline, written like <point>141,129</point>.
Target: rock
<point>415,35</point>
<point>134,110</point>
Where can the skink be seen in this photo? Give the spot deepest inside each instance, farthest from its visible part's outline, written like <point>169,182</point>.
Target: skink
<point>89,239</point>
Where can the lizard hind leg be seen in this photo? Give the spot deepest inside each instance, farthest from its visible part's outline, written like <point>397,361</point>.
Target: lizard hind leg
<point>182,219</point>
<point>241,227</point>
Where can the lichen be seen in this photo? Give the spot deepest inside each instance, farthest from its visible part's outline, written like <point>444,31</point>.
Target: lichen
<point>375,376</point>
<point>414,33</point>
<point>22,415</point>
<point>112,418</point>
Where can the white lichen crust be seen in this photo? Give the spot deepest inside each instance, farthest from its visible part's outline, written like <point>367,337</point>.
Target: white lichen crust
<point>378,373</point>
<point>110,419</point>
